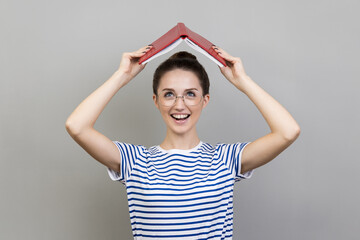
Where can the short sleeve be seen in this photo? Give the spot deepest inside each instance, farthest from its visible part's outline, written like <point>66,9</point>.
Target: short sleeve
<point>231,155</point>
<point>129,155</point>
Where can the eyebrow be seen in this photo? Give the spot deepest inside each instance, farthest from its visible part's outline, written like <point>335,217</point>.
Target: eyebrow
<point>170,89</point>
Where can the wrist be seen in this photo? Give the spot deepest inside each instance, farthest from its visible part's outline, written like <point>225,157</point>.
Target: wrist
<point>121,78</point>
<point>242,82</point>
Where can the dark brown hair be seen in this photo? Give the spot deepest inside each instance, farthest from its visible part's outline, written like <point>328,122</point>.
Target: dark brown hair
<point>185,61</point>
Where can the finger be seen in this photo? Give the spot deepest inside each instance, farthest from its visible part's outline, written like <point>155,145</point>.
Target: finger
<point>226,55</point>
<point>222,52</point>
<point>145,48</point>
<point>140,52</point>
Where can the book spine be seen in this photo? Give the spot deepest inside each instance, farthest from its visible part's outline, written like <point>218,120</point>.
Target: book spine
<point>182,30</point>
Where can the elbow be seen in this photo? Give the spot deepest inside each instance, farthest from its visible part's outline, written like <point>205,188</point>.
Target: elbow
<point>292,134</point>
<point>71,128</point>
<point>75,129</point>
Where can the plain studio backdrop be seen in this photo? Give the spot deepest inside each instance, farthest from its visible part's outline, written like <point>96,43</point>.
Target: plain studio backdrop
<point>53,54</point>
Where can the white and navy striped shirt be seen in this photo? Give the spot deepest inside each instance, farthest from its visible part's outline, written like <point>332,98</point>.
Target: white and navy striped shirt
<point>180,194</point>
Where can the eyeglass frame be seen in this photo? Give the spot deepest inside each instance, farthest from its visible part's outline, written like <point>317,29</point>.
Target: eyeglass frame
<point>179,96</point>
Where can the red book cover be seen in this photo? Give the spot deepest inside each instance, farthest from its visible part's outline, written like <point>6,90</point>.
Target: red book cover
<point>174,36</point>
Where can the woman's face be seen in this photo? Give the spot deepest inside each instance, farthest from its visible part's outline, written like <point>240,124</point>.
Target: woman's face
<point>180,118</point>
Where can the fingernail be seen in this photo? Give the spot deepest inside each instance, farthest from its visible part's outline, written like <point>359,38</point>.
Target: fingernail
<point>148,47</point>
<point>143,52</point>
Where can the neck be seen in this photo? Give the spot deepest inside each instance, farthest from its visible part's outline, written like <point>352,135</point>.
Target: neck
<point>176,141</point>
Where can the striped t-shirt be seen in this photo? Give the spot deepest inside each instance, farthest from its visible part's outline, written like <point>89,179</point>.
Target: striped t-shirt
<point>180,194</point>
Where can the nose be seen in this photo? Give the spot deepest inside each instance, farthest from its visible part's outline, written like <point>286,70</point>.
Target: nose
<point>179,103</point>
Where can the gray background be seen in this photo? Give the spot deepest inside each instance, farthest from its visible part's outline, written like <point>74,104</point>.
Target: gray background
<point>53,54</point>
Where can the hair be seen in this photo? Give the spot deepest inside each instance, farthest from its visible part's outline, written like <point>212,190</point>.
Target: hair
<point>185,61</point>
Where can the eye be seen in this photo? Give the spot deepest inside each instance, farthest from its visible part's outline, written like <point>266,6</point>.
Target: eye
<point>191,94</point>
<point>168,95</point>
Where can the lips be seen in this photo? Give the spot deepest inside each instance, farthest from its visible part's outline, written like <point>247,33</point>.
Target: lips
<point>180,116</point>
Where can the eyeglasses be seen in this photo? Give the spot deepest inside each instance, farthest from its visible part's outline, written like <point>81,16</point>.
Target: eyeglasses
<point>190,98</point>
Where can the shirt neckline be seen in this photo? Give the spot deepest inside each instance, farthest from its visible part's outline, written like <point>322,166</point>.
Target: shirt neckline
<point>174,150</point>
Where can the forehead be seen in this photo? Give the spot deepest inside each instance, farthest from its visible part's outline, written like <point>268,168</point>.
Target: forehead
<point>179,80</point>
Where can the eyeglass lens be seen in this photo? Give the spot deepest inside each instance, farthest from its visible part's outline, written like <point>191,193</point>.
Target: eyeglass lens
<point>189,99</point>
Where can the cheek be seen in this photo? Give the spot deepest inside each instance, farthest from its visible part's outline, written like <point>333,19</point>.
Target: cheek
<point>163,111</point>
<point>197,111</point>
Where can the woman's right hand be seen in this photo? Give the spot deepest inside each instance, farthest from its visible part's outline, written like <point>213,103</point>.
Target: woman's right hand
<point>129,65</point>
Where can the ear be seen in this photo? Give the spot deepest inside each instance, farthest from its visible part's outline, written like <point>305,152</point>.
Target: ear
<point>206,100</point>
<point>155,101</point>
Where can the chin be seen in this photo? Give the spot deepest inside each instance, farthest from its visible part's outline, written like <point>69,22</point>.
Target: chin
<point>181,129</point>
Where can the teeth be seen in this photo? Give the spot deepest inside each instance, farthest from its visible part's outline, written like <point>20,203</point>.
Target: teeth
<point>180,116</point>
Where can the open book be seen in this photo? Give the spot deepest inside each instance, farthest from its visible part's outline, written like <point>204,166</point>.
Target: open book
<point>174,37</point>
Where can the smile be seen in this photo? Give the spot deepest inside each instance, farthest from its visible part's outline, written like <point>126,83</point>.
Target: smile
<point>180,116</point>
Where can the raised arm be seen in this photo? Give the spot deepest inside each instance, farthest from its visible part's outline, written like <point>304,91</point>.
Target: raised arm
<point>284,129</point>
<point>80,124</point>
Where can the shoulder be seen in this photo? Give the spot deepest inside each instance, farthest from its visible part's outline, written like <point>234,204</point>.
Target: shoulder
<point>230,147</point>
<point>131,148</point>
<point>217,148</point>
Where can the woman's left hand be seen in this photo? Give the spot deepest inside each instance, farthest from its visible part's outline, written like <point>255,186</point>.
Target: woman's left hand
<point>284,129</point>
<point>234,71</point>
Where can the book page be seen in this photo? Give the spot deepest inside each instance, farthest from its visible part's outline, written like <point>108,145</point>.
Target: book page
<point>199,49</point>
<point>165,50</point>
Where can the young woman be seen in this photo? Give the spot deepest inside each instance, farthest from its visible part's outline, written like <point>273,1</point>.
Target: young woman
<point>182,188</point>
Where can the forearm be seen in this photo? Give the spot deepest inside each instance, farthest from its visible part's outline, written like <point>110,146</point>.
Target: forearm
<point>88,111</point>
<point>277,117</point>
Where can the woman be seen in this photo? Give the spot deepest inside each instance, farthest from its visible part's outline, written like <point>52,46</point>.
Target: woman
<point>182,188</point>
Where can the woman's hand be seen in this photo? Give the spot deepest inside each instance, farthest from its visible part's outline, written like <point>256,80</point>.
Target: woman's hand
<point>129,65</point>
<point>284,129</point>
<point>234,72</point>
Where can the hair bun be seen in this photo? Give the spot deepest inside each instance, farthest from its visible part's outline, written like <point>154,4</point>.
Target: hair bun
<point>182,54</point>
